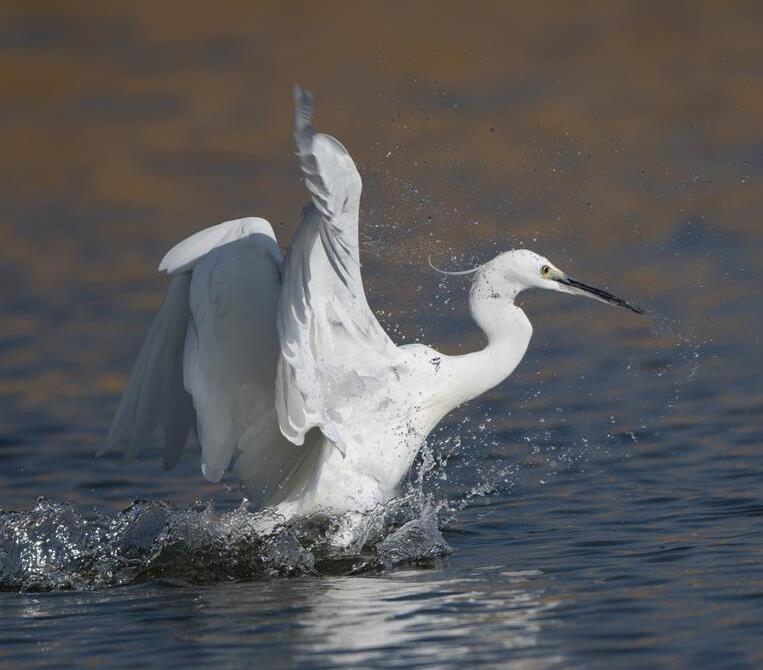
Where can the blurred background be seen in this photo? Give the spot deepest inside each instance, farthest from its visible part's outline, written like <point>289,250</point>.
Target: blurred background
<point>623,140</point>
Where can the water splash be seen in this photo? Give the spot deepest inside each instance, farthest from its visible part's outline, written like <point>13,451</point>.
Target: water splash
<point>58,546</point>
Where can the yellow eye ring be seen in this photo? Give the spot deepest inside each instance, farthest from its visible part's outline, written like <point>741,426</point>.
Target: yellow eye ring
<point>545,271</point>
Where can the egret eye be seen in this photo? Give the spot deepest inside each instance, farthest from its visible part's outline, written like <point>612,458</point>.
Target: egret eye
<point>545,271</point>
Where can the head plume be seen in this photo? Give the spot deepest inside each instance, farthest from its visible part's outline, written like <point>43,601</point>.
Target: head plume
<point>451,272</point>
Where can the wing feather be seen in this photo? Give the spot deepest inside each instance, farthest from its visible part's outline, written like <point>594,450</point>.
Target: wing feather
<point>332,346</point>
<point>231,353</point>
<point>209,362</point>
<point>335,185</point>
<point>155,392</point>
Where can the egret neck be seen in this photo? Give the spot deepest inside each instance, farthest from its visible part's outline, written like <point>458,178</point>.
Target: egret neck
<point>507,329</point>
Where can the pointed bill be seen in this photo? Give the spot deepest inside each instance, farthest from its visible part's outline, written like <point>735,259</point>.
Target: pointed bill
<point>579,288</point>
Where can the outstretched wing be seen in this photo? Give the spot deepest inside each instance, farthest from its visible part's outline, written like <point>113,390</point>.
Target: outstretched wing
<point>333,350</point>
<point>231,348</point>
<point>209,364</point>
<point>155,407</point>
<point>334,184</point>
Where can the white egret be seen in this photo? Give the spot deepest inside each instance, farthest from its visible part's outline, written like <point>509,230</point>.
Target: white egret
<point>280,369</point>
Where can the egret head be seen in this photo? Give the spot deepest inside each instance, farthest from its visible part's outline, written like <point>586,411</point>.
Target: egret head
<point>517,270</point>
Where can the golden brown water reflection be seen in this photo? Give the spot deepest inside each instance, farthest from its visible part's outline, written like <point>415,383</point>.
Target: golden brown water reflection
<point>595,132</point>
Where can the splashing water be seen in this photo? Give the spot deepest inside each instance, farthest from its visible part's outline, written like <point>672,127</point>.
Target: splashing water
<point>57,546</point>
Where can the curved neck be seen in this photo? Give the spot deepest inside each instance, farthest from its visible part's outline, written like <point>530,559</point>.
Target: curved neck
<point>508,332</point>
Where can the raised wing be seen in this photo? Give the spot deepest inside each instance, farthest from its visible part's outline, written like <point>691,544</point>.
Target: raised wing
<point>333,350</point>
<point>209,364</point>
<point>334,184</point>
<point>155,407</point>
<point>231,348</point>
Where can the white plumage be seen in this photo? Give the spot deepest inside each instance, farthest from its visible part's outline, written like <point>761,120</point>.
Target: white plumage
<point>280,367</point>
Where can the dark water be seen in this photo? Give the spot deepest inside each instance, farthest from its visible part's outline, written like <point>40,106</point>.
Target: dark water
<point>602,508</point>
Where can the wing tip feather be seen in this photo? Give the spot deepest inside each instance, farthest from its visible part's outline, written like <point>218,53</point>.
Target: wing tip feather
<point>303,101</point>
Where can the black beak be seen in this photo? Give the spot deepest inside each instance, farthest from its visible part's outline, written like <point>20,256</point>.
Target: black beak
<point>598,294</point>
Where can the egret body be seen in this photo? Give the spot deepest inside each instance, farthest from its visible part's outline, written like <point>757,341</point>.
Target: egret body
<point>280,370</point>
